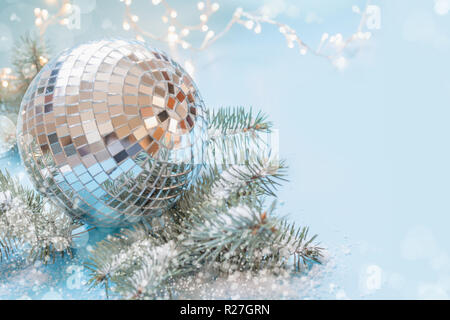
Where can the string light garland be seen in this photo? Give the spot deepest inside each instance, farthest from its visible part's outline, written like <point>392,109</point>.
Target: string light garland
<point>43,20</point>
<point>330,47</point>
<point>176,31</point>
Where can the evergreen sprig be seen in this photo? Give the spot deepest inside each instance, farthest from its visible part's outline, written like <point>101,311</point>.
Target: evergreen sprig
<point>235,136</point>
<point>235,120</point>
<point>29,56</point>
<point>113,255</point>
<point>28,220</point>
<point>220,224</point>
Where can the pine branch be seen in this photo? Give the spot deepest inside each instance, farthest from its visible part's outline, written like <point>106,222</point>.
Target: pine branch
<point>234,120</point>
<point>139,264</point>
<point>247,238</point>
<point>115,254</point>
<point>218,187</point>
<point>26,218</point>
<point>154,278</point>
<point>303,249</point>
<point>219,224</point>
<point>138,253</point>
<point>252,241</point>
<point>29,56</point>
<point>260,177</point>
<point>235,136</point>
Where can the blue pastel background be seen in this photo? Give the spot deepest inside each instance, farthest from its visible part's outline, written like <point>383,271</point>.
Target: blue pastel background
<point>367,146</point>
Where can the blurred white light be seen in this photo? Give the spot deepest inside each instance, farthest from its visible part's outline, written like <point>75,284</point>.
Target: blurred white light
<point>44,14</point>
<point>441,7</point>
<point>172,37</point>
<point>340,63</point>
<point>215,6</point>
<point>201,5</point>
<point>67,8</point>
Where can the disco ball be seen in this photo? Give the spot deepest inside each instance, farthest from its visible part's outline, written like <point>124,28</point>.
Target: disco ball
<point>112,131</point>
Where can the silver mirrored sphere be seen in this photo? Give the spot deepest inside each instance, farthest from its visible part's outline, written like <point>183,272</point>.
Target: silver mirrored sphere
<point>112,131</point>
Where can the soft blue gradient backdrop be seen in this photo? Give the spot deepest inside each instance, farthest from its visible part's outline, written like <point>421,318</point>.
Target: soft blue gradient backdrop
<point>368,147</point>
